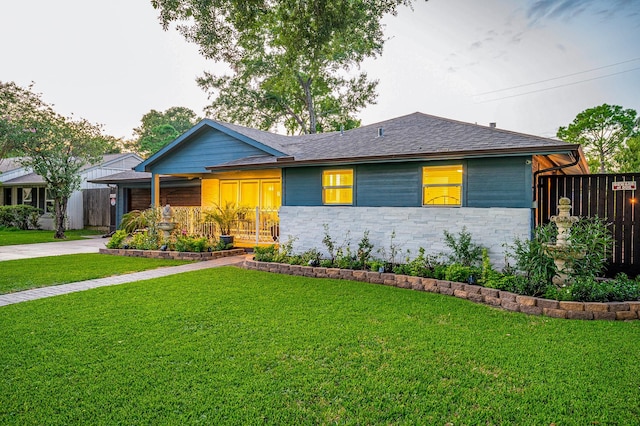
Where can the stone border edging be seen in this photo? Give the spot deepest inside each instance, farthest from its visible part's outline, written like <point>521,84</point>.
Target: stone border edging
<point>177,255</point>
<point>488,296</point>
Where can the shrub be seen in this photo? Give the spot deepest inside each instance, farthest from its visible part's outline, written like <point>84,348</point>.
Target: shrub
<point>391,256</point>
<point>461,273</point>
<point>463,251</point>
<point>593,237</point>
<point>117,239</point>
<point>133,221</point>
<point>530,257</point>
<point>264,254</point>
<point>619,289</point>
<point>144,241</point>
<point>421,266</point>
<point>191,243</point>
<point>21,216</point>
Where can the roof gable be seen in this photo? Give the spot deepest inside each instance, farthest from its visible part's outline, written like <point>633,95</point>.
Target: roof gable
<point>210,142</point>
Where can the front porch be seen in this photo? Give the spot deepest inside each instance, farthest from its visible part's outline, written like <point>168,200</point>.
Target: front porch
<point>256,227</point>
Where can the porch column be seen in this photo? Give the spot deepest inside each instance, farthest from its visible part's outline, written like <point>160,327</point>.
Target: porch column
<point>155,190</point>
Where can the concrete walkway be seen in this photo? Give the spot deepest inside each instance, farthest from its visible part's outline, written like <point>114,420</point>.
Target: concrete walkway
<point>27,251</point>
<point>91,245</point>
<point>40,293</point>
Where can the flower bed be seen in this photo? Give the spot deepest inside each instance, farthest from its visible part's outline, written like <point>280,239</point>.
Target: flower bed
<point>178,255</point>
<point>489,296</point>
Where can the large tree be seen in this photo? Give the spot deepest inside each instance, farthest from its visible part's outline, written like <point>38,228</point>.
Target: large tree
<point>292,61</point>
<point>603,132</point>
<point>160,128</point>
<point>629,158</point>
<point>54,147</point>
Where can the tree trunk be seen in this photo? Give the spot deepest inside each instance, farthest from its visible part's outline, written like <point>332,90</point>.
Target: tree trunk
<point>61,212</point>
<point>306,86</point>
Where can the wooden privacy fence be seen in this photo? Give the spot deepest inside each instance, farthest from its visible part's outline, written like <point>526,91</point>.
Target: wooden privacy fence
<point>612,197</point>
<point>97,209</point>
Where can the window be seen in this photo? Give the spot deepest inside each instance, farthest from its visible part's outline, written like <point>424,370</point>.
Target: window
<point>27,195</point>
<point>337,186</point>
<point>262,193</point>
<point>442,185</point>
<point>49,202</point>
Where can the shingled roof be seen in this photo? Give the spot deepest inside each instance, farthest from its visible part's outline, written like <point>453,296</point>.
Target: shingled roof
<point>416,135</point>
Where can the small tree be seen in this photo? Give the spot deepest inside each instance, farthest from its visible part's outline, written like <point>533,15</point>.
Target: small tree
<point>55,147</point>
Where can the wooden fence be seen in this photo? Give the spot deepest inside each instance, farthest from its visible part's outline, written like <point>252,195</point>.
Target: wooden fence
<point>612,197</point>
<point>97,209</point>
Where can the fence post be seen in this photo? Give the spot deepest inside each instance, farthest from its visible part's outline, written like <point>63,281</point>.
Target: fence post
<point>257,225</point>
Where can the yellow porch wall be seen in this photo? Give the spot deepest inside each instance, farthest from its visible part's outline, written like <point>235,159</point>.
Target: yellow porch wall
<point>210,194</point>
<point>211,185</point>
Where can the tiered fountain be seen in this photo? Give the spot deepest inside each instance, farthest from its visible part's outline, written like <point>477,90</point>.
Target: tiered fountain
<point>562,252</point>
<point>167,224</point>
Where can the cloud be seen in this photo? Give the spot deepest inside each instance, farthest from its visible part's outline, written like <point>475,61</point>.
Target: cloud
<point>556,9</point>
<point>567,10</point>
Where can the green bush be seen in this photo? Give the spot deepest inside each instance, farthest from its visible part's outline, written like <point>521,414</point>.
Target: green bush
<point>463,251</point>
<point>530,257</point>
<point>134,220</point>
<point>620,289</point>
<point>421,266</point>
<point>190,243</point>
<point>21,216</point>
<point>593,237</point>
<point>461,273</point>
<point>144,241</point>
<point>264,254</point>
<point>117,239</point>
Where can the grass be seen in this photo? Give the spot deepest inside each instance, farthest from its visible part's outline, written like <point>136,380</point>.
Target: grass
<point>24,274</point>
<point>229,346</point>
<point>9,237</point>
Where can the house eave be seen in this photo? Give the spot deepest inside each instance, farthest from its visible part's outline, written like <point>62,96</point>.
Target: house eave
<point>453,155</point>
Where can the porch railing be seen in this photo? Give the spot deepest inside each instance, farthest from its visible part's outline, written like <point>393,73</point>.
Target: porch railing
<point>257,226</point>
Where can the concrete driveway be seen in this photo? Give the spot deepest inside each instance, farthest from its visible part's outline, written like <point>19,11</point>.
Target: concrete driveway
<point>26,251</point>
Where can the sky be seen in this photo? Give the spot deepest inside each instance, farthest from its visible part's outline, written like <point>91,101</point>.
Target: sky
<point>528,65</point>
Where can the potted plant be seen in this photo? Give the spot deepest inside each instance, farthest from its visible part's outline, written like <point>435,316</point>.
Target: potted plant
<point>225,217</point>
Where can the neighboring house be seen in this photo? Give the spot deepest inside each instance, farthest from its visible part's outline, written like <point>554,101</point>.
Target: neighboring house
<point>20,185</point>
<point>412,176</point>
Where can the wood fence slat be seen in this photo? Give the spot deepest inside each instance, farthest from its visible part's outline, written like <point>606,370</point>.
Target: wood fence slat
<point>591,196</point>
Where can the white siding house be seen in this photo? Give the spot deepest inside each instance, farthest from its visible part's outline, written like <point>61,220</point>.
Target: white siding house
<point>20,185</point>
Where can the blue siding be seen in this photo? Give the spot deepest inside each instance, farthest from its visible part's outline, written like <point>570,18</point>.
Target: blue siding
<point>488,182</point>
<point>302,186</point>
<point>499,182</point>
<point>388,185</point>
<point>206,148</point>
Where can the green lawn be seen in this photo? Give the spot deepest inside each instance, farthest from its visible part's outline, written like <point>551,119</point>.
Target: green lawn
<point>24,274</point>
<point>229,346</point>
<point>14,237</point>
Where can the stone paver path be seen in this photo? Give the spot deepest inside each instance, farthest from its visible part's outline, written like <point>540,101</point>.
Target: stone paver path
<point>40,293</point>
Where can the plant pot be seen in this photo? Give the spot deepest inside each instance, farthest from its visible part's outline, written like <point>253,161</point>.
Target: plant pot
<point>226,239</point>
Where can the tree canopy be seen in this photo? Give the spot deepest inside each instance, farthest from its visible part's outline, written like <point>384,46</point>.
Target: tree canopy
<point>158,129</point>
<point>629,159</point>
<point>54,147</point>
<point>603,131</point>
<point>292,61</point>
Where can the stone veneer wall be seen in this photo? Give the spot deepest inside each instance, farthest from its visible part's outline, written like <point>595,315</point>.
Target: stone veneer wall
<point>489,296</point>
<point>178,255</point>
<point>414,227</point>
